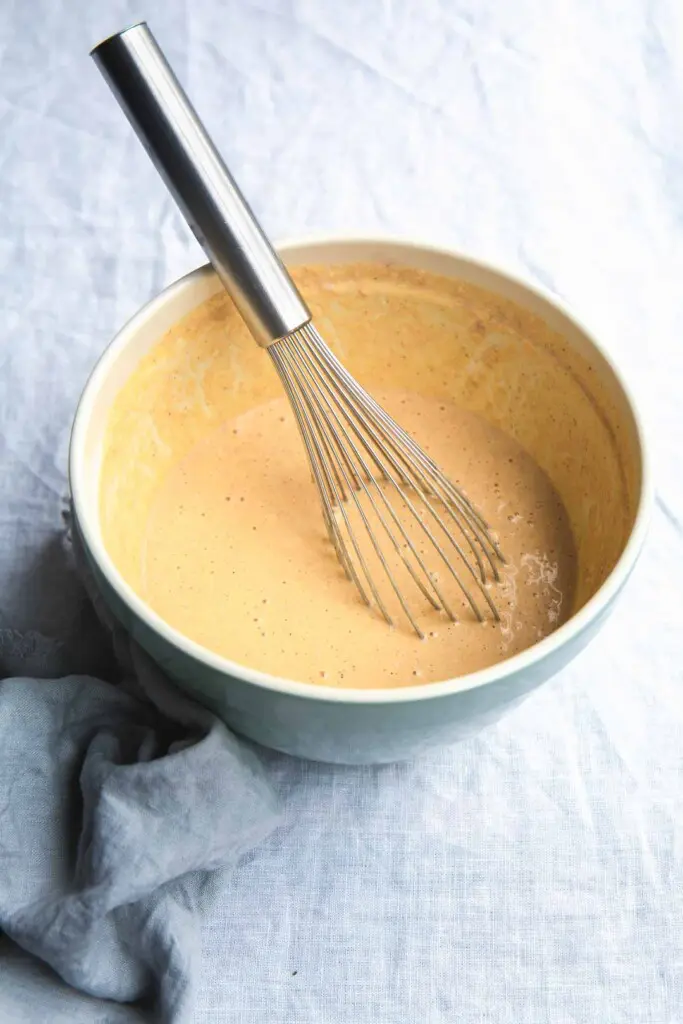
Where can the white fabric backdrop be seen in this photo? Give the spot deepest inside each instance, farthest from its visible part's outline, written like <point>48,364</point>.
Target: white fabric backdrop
<point>535,873</point>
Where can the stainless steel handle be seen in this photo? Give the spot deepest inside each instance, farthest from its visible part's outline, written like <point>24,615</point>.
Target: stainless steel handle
<point>194,172</point>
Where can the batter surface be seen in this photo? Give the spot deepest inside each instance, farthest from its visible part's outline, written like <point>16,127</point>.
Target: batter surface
<point>236,556</point>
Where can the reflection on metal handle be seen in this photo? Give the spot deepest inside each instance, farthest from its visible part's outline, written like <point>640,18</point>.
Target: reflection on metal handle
<point>167,125</point>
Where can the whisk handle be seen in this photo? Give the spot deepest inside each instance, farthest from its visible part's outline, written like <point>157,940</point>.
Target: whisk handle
<point>194,172</point>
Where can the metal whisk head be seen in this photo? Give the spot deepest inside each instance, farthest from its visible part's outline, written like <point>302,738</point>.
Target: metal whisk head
<point>368,469</point>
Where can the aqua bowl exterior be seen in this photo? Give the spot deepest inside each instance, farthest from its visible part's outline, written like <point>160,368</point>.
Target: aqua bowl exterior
<point>335,725</point>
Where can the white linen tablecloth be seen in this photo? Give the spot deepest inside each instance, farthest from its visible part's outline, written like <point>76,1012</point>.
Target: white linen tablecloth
<point>533,874</point>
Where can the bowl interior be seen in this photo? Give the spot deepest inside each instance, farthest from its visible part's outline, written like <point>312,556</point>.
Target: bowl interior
<point>513,357</point>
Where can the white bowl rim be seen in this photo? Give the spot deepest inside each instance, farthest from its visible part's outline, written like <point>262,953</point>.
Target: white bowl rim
<point>498,672</point>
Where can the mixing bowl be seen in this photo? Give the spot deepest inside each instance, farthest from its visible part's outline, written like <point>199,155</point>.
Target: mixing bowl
<point>566,403</point>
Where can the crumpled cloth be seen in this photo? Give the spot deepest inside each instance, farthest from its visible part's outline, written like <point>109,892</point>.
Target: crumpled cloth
<point>123,809</point>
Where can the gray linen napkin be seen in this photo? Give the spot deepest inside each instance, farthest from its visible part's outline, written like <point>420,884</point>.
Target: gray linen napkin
<point>123,809</point>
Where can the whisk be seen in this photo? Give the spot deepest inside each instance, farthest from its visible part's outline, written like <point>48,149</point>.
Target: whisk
<point>371,475</point>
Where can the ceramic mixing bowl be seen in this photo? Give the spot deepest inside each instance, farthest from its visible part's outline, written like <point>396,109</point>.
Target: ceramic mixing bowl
<point>569,406</point>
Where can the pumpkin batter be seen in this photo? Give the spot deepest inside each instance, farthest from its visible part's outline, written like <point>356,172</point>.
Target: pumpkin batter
<point>209,509</point>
